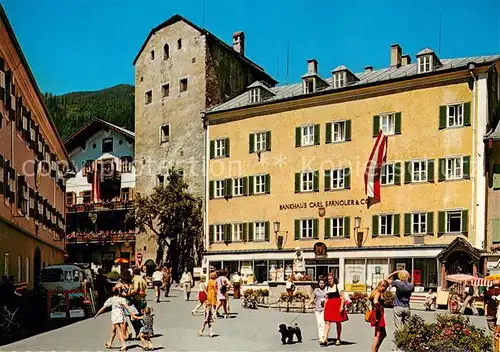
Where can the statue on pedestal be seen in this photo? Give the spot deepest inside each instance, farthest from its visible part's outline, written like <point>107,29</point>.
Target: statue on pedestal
<point>299,264</point>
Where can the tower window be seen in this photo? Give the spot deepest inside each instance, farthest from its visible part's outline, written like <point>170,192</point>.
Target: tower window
<point>148,97</point>
<point>152,54</point>
<point>166,52</point>
<point>179,44</point>
<point>183,84</point>
<point>165,90</point>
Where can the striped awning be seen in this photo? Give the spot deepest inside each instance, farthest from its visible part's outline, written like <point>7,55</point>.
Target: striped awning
<point>480,282</point>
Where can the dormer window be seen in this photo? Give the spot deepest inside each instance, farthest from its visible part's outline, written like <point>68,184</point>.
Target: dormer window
<point>425,63</point>
<point>255,96</point>
<point>339,79</point>
<point>309,85</point>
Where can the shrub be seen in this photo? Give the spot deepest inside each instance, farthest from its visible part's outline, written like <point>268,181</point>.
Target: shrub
<point>450,333</point>
<point>113,275</point>
<point>301,296</point>
<point>389,299</point>
<point>359,303</point>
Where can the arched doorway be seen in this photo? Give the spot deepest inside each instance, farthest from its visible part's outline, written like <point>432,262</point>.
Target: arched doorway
<point>150,267</point>
<point>37,266</point>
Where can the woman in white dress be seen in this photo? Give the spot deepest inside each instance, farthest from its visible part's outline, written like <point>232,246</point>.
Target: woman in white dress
<point>117,304</point>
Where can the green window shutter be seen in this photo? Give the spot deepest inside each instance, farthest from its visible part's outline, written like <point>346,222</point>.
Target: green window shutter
<point>466,167</point>
<point>347,178</point>
<point>328,224</point>
<point>212,149</point>
<point>228,232</point>
<point>297,230</point>
<point>298,137</point>
<point>348,130</point>
<point>441,222</point>
<point>442,170</point>
<point>465,221</point>
<point>374,226</point>
<point>442,116</point>
<point>227,147</point>
<point>250,185</point>
<point>211,190</point>
<point>268,184</point>
<point>245,235</point>
<point>316,134</point>
<point>397,173</point>
<point>466,114</point>
<point>266,227</point>
<point>315,229</point>
<point>430,170</point>
<point>211,230</point>
<point>407,224</point>
<point>376,125</point>
<point>251,143</point>
<point>397,125</point>
<point>407,172</point>
<point>328,177</point>
<point>430,223</point>
<point>495,224</point>
<point>297,182</point>
<point>347,227</point>
<point>268,141</point>
<point>328,137</point>
<point>396,225</point>
<point>245,186</point>
<point>316,181</point>
<point>228,187</point>
<point>250,232</point>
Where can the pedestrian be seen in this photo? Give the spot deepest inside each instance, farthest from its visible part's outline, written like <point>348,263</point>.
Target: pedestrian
<point>157,282</point>
<point>138,293</point>
<point>208,319</point>
<point>100,287</point>
<point>125,287</point>
<point>318,300</point>
<point>469,300</point>
<point>404,289</point>
<point>147,330</point>
<point>222,287</point>
<point>236,285</point>
<point>186,283</point>
<point>166,280</point>
<point>334,309</point>
<point>492,306</point>
<point>117,304</point>
<point>212,290</point>
<point>377,317</point>
<point>202,295</point>
<point>430,300</point>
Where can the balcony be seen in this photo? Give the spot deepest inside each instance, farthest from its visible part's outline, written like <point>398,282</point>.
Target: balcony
<point>99,206</point>
<point>101,237</point>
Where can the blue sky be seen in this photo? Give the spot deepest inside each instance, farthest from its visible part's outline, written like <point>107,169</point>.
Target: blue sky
<point>74,45</point>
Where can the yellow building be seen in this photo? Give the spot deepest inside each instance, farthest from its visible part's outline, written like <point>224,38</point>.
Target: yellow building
<point>285,169</point>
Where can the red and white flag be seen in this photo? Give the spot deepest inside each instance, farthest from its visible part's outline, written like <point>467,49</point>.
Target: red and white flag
<point>96,182</point>
<point>374,169</point>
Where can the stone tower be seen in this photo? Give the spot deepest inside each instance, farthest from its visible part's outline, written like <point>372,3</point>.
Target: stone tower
<point>180,71</point>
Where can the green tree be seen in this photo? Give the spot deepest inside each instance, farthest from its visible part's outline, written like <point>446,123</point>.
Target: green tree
<point>173,216</point>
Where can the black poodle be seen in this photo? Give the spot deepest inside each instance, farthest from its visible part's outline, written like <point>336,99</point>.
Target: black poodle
<point>288,332</point>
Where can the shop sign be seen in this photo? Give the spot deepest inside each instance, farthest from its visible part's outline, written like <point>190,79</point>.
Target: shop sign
<point>108,256</point>
<point>355,277</point>
<point>320,250</point>
<point>320,261</point>
<point>323,204</point>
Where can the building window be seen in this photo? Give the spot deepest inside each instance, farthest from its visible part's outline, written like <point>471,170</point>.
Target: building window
<point>255,95</point>
<point>387,174</point>
<point>306,184</point>
<point>164,133</point>
<point>179,44</point>
<point>6,264</point>
<point>220,147</point>
<point>259,231</point>
<point>306,228</point>
<point>27,269</point>
<point>455,116</point>
<point>338,131</point>
<point>219,189</point>
<point>219,233</point>
<point>260,184</point>
<point>388,124</point>
<point>107,145</point>
<point>148,97</point>
<point>183,85</point>
<point>125,196</point>
<point>237,232</point>
<point>424,63</point>
<point>160,181</point>
<point>19,269</point>
<point>419,223</point>
<point>126,162</point>
<point>260,141</point>
<point>454,168</point>
<point>165,90</point>
<point>419,171</point>
<point>307,135</point>
<point>386,223</point>
<point>337,227</point>
<point>238,187</point>
<point>309,85</point>
<point>454,221</point>
<point>166,52</point>
<point>339,79</point>
<point>87,197</point>
<point>337,179</point>
<point>70,198</point>
<point>152,54</point>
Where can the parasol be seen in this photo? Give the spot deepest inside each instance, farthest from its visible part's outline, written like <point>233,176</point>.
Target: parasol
<point>121,261</point>
<point>460,278</point>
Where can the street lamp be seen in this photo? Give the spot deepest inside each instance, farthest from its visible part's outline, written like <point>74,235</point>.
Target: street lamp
<point>358,235</point>
<point>276,226</point>
<point>279,236</point>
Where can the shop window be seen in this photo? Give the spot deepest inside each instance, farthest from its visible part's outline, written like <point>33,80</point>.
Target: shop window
<point>237,187</point>
<point>276,270</point>
<point>219,188</point>
<point>355,275</point>
<point>107,145</point>
<point>376,271</point>
<point>237,232</point>
<point>259,231</point>
<point>454,221</point>
<point>260,271</point>
<point>219,233</point>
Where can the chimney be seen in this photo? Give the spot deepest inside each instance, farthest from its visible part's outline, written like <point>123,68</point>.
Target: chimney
<point>395,55</point>
<point>239,42</point>
<point>368,68</point>
<point>405,60</point>
<point>312,66</point>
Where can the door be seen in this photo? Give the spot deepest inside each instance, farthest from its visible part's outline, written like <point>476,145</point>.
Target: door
<point>321,271</point>
<point>333,270</point>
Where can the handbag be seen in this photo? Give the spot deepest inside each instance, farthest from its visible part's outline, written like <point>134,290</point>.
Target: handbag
<point>368,315</point>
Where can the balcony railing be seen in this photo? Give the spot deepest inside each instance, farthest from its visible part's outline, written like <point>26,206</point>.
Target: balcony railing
<point>99,206</point>
<point>101,237</point>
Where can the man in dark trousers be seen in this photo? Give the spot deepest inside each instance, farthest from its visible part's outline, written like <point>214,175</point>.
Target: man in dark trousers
<point>100,287</point>
<point>492,307</point>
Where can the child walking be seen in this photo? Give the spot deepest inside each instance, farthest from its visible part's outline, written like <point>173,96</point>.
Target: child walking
<point>117,305</point>
<point>208,319</point>
<point>147,331</point>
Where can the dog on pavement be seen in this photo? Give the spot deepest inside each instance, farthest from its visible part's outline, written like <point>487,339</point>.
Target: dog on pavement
<point>288,332</point>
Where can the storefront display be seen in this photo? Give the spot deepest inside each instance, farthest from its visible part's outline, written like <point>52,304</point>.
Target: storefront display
<point>355,275</point>
<point>376,271</point>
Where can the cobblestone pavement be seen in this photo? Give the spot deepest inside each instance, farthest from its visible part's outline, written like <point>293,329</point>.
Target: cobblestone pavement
<point>248,330</point>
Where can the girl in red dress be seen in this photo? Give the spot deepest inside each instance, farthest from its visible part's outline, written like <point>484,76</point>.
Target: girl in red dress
<point>334,309</point>
<point>377,318</point>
